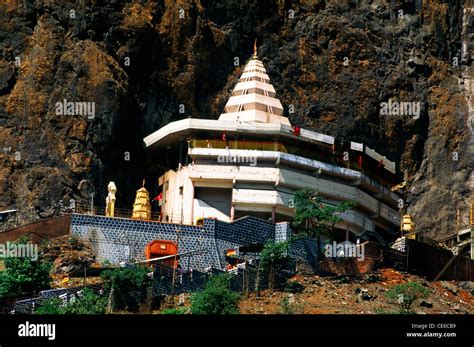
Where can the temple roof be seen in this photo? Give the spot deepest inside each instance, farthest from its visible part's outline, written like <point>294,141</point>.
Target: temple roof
<point>252,110</point>
<point>253,98</point>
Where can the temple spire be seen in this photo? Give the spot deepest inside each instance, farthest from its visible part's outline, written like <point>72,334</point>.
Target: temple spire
<point>253,98</point>
<point>142,206</point>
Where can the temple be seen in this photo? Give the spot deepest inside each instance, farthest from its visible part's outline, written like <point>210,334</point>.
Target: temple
<point>251,160</point>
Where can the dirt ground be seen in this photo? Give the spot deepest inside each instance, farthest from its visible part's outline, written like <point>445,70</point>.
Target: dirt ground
<point>348,295</point>
<point>343,295</point>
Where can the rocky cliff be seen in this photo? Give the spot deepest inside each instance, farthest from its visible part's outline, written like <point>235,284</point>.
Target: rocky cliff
<point>139,61</point>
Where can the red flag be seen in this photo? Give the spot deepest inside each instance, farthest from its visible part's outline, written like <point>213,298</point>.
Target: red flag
<point>296,130</point>
<point>159,197</point>
<point>360,161</point>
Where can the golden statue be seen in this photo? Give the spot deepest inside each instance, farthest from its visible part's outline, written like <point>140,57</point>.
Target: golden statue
<point>142,206</point>
<point>110,200</point>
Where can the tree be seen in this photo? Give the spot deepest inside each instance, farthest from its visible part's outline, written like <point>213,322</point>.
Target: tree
<point>130,286</point>
<point>24,275</point>
<point>216,298</point>
<point>315,218</point>
<point>273,257</point>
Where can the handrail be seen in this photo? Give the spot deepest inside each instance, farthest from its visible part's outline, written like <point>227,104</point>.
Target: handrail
<point>118,212</point>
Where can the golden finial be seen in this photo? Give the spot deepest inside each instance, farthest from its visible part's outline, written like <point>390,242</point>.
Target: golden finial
<point>143,183</point>
<point>255,48</point>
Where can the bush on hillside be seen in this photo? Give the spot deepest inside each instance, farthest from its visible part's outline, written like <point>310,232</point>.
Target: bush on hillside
<point>216,298</point>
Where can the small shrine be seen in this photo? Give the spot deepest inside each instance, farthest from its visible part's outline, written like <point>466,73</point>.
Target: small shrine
<point>142,206</point>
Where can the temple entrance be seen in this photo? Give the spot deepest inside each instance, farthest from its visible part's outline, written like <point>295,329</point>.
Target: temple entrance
<point>163,248</point>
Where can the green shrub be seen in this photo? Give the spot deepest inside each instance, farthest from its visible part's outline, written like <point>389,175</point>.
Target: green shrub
<point>406,293</point>
<point>51,306</point>
<point>130,286</point>
<point>273,257</point>
<point>274,253</point>
<point>216,298</point>
<point>24,276</point>
<point>87,303</point>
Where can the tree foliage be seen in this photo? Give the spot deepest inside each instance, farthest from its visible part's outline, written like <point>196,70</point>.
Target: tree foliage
<point>274,253</point>
<point>24,275</point>
<point>130,286</point>
<point>216,298</point>
<point>313,217</point>
<point>273,257</point>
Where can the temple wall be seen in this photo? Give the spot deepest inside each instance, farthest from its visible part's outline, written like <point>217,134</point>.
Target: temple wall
<point>123,240</point>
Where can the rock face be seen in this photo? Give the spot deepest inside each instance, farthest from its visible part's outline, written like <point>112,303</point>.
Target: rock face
<point>140,62</point>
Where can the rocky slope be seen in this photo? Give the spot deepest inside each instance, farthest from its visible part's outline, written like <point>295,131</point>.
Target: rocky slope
<point>138,61</point>
<point>350,295</point>
<point>364,296</point>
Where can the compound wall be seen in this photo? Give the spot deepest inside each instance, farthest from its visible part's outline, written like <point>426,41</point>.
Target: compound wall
<point>123,240</point>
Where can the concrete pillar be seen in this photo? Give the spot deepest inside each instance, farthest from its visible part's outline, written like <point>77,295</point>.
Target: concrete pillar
<point>273,214</point>
<point>192,203</point>
<point>232,212</point>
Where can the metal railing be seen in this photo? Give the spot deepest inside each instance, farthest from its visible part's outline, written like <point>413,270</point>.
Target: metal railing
<point>172,218</point>
<point>100,211</point>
